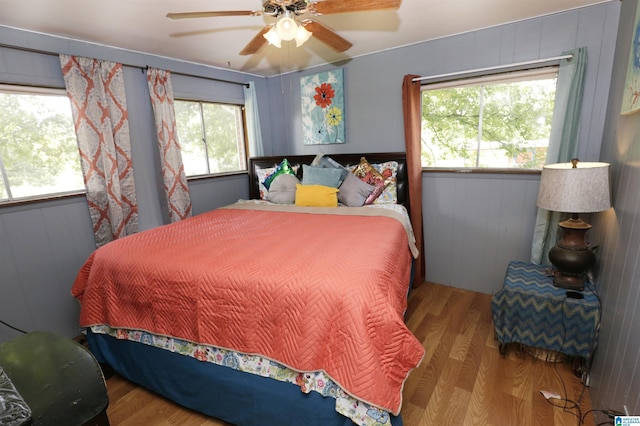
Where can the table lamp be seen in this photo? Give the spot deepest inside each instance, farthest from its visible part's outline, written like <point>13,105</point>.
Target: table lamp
<point>576,187</point>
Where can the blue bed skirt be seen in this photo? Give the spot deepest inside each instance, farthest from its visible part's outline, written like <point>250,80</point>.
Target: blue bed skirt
<point>234,396</point>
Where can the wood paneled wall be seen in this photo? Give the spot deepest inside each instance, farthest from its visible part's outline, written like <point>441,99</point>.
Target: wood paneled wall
<point>43,245</point>
<point>616,372</point>
<point>474,223</point>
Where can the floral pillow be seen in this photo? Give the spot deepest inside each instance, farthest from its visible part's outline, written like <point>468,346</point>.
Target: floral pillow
<point>368,174</point>
<point>262,175</point>
<point>389,171</point>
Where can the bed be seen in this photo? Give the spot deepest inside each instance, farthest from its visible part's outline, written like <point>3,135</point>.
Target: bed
<point>262,312</point>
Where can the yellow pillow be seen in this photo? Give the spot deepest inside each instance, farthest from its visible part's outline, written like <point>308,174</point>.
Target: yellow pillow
<point>316,196</point>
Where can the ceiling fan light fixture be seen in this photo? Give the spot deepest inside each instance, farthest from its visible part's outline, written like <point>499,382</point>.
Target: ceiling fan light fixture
<point>272,37</point>
<point>286,26</point>
<point>302,35</point>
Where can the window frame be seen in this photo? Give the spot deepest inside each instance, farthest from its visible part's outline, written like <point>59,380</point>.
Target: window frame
<point>36,90</point>
<point>511,75</point>
<point>245,136</point>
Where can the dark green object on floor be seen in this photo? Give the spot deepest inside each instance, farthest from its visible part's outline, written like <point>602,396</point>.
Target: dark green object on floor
<point>59,379</point>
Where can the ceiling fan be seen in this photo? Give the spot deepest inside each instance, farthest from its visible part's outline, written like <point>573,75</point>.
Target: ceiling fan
<point>291,23</point>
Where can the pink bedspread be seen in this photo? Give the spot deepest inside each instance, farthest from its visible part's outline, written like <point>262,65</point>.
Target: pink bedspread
<point>313,292</point>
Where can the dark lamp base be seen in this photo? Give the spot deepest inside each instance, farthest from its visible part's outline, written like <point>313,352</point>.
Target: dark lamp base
<point>570,282</point>
<point>572,256</point>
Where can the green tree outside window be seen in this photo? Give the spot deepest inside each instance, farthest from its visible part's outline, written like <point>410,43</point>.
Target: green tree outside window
<point>496,125</point>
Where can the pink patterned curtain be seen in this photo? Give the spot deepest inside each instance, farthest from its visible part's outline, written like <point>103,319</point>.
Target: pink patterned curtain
<point>173,176</point>
<point>96,90</point>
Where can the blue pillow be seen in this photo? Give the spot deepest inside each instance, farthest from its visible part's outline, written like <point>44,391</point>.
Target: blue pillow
<point>322,160</point>
<point>321,176</point>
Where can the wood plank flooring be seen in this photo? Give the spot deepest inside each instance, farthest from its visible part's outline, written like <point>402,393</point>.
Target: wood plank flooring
<point>462,380</point>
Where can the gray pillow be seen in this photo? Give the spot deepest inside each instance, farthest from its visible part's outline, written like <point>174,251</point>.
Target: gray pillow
<point>321,176</point>
<point>353,191</point>
<point>283,189</point>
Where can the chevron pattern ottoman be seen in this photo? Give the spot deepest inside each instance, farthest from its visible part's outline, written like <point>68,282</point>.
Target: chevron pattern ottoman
<point>531,311</point>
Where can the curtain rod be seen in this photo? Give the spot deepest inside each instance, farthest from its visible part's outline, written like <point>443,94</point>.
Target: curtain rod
<point>146,67</point>
<point>494,68</point>
<point>142,67</point>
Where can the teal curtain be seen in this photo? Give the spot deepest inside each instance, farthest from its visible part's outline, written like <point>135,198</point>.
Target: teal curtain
<point>563,143</point>
<point>253,120</point>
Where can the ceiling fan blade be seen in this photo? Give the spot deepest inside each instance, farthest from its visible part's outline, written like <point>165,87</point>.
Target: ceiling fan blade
<point>256,42</point>
<point>327,36</point>
<point>188,15</point>
<point>338,6</point>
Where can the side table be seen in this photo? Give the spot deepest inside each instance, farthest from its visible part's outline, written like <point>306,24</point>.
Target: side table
<point>531,311</point>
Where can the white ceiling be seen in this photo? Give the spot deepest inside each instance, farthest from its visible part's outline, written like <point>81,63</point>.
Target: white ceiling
<point>142,25</point>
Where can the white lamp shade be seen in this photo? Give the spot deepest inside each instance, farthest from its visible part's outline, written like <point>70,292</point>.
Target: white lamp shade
<point>583,189</point>
<point>273,37</point>
<point>302,35</point>
<point>286,26</point>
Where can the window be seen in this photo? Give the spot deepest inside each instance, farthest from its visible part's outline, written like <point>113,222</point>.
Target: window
<point>211,137</point>
<point>500,121</point>
<point>38,148</point>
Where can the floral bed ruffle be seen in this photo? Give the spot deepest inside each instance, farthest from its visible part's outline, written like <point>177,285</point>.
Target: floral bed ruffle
<point>359,412</point>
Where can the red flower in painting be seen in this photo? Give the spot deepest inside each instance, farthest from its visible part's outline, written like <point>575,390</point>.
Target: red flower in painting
<point>324,94</point>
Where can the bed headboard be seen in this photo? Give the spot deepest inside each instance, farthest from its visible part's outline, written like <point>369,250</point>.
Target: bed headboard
<point>257,163</point>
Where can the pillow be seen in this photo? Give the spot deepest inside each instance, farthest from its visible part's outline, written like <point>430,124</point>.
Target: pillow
<point>262,175</point>
<point>322,160</point>
<point>283,167</point>
<point>388,170</point>
<point>321,176</point>
<point>269,174</point>
<point>318,157</point>
<point>367,173</point>
<point>353,191</point>
<point>283,189</point>
<point>316,196</point>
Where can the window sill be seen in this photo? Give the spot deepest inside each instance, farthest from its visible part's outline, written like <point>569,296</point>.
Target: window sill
<point>42,199</point>
<point>216,175</point>
<point>472,170</point>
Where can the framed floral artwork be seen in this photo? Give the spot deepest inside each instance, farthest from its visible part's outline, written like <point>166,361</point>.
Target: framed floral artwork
<point>631,96</point>
<point>323,108</point>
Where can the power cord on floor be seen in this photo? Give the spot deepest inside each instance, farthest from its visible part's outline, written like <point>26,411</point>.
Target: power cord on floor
<point>12,327</point>
<point>610,413</point>
<point>567,405</point>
